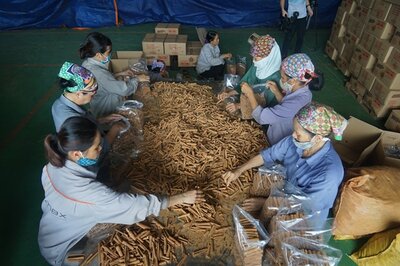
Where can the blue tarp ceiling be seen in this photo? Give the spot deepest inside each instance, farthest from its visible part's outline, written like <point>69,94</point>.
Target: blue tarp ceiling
<point>22,14</point>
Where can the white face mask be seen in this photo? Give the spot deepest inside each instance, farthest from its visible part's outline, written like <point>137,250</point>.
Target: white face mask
<point>308,144</point>
<point>286,87</point>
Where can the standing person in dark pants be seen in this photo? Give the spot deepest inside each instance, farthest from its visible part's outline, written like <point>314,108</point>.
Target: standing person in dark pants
<point>298,26</point>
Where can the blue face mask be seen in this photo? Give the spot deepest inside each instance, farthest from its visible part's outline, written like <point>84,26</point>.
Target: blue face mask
<point>106,60</point>
<point>303,145</point>
<point>83,161</point>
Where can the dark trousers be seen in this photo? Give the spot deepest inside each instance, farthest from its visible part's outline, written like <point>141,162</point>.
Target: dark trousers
<point>216,72</point>
<point>297,27</point>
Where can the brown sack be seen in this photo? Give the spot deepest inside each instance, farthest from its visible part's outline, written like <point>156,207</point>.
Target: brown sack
<point>245,107</point>
<point>369,202</point>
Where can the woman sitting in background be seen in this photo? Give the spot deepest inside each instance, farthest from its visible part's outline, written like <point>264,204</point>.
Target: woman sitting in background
<point>211,63</point>
<point>96,53</point>
<point>266,64</point>
<point>75,202</point>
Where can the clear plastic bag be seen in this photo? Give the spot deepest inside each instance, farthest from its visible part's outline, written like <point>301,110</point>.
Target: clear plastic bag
<point>241,65</point>
<point>302,251</point>
<point>230,66</point>
<point>284,200</point>
<point>138,67</point>
<point>250,237</point>
<point>266,179</point>
<point>231,81</point>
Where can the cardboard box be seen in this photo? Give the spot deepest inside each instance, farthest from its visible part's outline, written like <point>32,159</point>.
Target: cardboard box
<point>382,50</point>
<point>175,44</point>
<point>167,28</point>
<point>364,57</point>
<point>337,31</point>
<point>393,121</point>
<point>381,154</point>
<point>379,28</point>
<point>396,40</point>
<point>366,78</point>
<point>349,6</point>
<point>367,3</point>
<point>389,77</point>
<point>121,60</point>
<point>394,60</point>
<point>187,60</point>
<point>331,51</point>
<point>381,10</point>
<point>367,41</point>
<point>193,48</point>
<point>361,13</point>
<point>163,57</point>
<point>153,43</point>
<point>343,65</point>
<point>355,68</point>
<point>355,26</point>
<point>359,90</point>
<point>359,140</point>
<point>394,16</point>
<point>381,100</point>
<point>342,16</point>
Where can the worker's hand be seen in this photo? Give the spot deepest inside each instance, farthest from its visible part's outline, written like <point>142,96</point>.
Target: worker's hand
<point>231,176</point>
<point>110,118</point>
<point>246,89</point>
<point>223,95</point>
<point>310,11</point>
<point>143,78</point>
<point>193,196</point>
<point>232,107</point>
<point>227,56</point>
<point>284,13</point>
<point>272,86</point>
<point>128,72</point>
<point>118,127</point>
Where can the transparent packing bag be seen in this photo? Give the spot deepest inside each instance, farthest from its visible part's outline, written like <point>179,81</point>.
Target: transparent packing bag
<point>230,66</point>
<point>266,179</point>
<point>298,251</point>
<point>231,81</point>
<point>138,67</point>
<point>250,237</point>
<point>241,65</point>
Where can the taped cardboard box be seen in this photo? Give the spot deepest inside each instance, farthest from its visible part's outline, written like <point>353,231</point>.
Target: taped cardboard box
<point>382,50</point>
<point>367,3</point>
<point>380,100</point>
<point>342,16</point>
<point>193,48</point>
<point>381,10</point>
<point>364,57</point>
<point>355,26</point>
<point>394,60</point>
<point>366,78</point>
<point>343,65</point>
<point>393,121</point>
<point>396,39</point>
<point>175,44</point>
<point>356,89</point>
<point>349,6</point>
<point>389,77</point>
<point>153,43</point>
<point>394,16</point>
<point>355,68</point>
<point>361,13</point>
<point>120,60</point>
<point>331,51</point>
<point>337,31</point>
<point>165,58</point>
<point>167,28</point>
<point>187,60</point>
<point>359,140</point>
<point>379,28</point>
<point>367,41</point>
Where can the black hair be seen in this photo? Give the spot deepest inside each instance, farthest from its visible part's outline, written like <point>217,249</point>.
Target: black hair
<point>76,134</point>
<point>211,34</point>
<point>65,84</point>
<point>317,83</point>
<point>94,43</point>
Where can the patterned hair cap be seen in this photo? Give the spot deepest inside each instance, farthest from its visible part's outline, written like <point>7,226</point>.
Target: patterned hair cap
<point>80,75</point>
<point>321,120</point>
<point>262,46</point>
<point>297,65</point>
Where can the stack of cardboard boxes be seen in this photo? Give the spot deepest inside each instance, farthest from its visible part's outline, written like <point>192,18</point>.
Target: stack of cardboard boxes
<point>167,44</point>
<point>365,45</point>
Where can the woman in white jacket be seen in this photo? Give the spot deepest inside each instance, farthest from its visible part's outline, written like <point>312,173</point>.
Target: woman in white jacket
<point>75,202</point>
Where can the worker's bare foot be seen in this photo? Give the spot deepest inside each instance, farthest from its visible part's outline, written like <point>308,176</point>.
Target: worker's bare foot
<point>253,204</point>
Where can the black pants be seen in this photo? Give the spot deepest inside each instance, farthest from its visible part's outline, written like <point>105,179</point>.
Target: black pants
<point>216,72</point>
<point>298,27</point>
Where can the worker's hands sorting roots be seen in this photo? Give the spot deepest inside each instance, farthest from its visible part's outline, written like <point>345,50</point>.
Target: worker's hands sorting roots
<point>189,197</point>
<point>231,176</point>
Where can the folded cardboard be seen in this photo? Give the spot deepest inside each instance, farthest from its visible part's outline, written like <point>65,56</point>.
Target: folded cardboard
<point>393,121</point>
<point>389,77</point>
<point>366,78</point>
<point>394,60</point>
<point>359,140</point>
<point>167,28</point>
<point>379,28</point>
<point>381,10</point>
<point>382,50</point>
<point>364,57</point>
<point>175,44</point>
<point>367,40</point>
